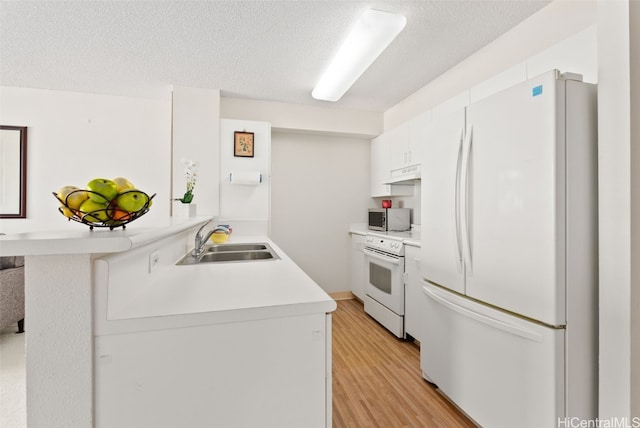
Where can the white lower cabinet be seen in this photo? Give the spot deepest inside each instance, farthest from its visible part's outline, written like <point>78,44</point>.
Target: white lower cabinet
<point>357,277</point>
<point>267,373</point>
<point>414,296</point>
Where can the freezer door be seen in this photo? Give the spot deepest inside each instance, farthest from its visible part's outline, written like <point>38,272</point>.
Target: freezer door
<point>515,195</point>
<point>442,261</point>
<point>501,370</point>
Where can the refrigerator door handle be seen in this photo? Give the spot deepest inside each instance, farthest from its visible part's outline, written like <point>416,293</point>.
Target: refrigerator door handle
<point>465,199</point>
<point>492,322</point>
<point>457,201</point>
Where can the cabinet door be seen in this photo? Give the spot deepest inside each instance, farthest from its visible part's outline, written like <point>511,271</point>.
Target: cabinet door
<point>380,167</point>
<point>399,143</point>
<point>414,296</point>
<point>254,373</point>
<point>417,137</point>
<point>357,266</point>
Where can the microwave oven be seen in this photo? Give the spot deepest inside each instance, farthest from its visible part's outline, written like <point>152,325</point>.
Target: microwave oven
<point>390,219</point>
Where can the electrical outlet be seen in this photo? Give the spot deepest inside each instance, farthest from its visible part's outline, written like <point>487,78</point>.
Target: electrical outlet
<point>154,260</point>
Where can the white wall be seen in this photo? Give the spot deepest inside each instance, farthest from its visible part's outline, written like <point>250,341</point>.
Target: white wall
<point>311,119</point>
<point>619,202</point>
<point>74,137</point>
<point>320,184</point>
<point>634,60</point>
<point>249,203</point>
<point>319,180</point>
<point>196,137</point>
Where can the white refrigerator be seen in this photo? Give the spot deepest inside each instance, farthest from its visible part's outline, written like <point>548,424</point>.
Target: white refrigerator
<point>509,254</point>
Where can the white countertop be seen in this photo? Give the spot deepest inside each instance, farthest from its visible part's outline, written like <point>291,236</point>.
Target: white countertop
<point>220,292</point>
<point>79,239</point>
<point>223,287</point>
<point>410,237</point>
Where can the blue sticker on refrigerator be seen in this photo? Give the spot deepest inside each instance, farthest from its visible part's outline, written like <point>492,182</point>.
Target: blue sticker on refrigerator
<point>537,90</point>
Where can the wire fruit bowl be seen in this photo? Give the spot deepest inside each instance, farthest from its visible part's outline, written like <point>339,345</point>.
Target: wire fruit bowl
<point>111,216</point>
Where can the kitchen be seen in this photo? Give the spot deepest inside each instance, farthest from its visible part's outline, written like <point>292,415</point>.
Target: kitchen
<point>61,111</point>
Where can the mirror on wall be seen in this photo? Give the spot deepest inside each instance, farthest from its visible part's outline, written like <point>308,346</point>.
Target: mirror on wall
<point>13,171</point>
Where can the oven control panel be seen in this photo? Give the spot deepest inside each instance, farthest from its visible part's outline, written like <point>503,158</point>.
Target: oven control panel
<point>388,245</point>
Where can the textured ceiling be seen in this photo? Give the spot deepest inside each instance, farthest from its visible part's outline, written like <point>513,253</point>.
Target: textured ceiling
<point>269,50</point>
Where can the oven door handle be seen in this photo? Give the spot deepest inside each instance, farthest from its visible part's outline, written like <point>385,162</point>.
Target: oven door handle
<point>393,260</point>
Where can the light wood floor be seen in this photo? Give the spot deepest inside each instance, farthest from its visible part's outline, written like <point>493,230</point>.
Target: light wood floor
<point>377,381</point>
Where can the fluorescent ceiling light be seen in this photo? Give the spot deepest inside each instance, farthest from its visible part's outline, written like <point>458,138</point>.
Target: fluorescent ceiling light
<point>373,32</point>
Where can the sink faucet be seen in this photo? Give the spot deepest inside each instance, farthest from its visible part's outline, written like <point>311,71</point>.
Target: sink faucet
<point>200,242</point>
<point>198,248</point>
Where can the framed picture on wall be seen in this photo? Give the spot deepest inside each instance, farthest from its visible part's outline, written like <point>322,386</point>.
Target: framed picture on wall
<point>243,144</point>
<point>13,172</point>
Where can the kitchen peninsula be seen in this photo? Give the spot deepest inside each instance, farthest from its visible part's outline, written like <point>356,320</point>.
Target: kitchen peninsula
<point>119,335</point>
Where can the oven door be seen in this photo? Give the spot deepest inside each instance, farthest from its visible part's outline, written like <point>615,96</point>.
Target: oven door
<point>385,279</point>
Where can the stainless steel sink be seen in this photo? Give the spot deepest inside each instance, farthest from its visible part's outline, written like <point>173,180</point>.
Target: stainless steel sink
<point>241,256</point>
<point>234,247</point>
<point>231,253</point>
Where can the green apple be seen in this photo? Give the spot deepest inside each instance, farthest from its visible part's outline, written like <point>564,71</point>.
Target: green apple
<point>93,211</point>
<point>123,184</point>
<point>72,196</point>
<point>105,190</point>
<point>132,200</point>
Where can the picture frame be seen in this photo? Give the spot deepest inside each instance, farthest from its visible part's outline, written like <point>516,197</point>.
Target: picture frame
<point>243,144</point>
<point>13,181</point>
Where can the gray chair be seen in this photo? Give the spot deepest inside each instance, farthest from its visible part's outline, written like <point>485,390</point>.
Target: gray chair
<point>12,292</point>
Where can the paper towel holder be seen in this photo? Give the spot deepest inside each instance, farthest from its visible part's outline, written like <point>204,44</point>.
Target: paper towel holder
<point>231,178</point>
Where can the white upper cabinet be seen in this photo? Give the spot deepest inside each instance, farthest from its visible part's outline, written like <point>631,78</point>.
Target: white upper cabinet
<point>407,142</point>
<point>400,153</point>
<point>381,168</point>
<point>417,137</point>
<point>379,165</point>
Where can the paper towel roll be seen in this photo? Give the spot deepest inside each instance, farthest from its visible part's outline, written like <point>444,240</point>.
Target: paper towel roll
<point>251,178</point>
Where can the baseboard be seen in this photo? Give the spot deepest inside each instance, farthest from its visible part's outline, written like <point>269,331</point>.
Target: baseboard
<point>342,295</point>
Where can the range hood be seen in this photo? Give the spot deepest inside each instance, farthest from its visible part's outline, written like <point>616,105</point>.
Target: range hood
<point>404,179</point>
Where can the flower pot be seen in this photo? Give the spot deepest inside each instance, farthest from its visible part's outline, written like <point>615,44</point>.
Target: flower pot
<point>185,210</point>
